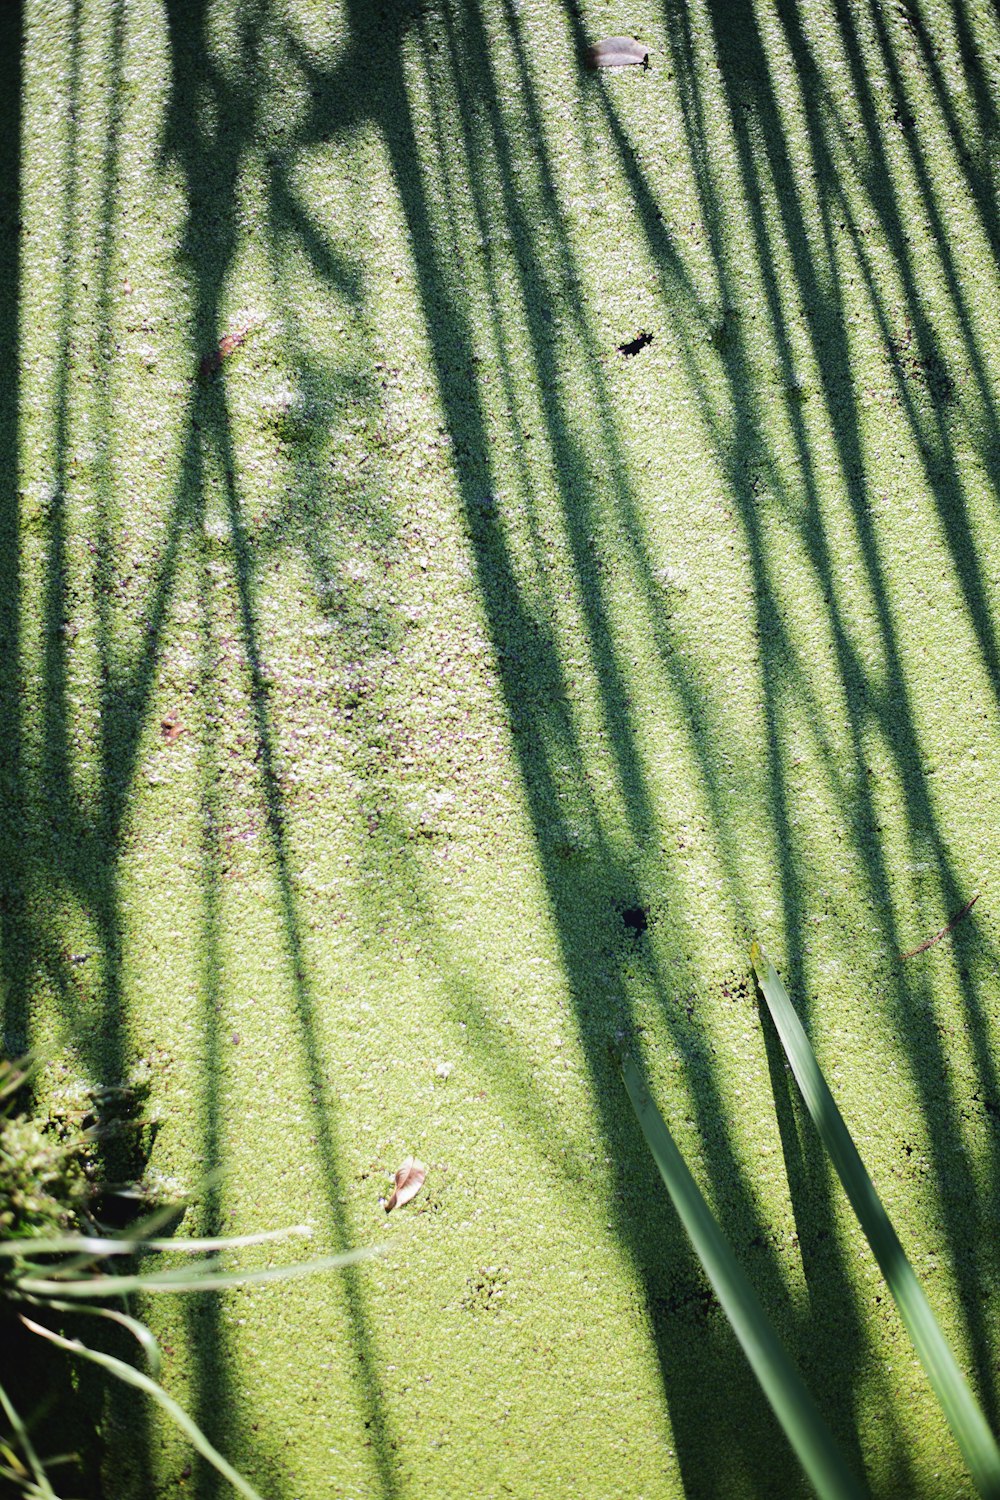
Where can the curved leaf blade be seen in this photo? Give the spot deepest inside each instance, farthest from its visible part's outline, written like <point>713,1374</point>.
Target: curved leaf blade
<point>201,1276</point>
<point>782,1385</point>
<point>177,1414</point>
<point>963,1413</point>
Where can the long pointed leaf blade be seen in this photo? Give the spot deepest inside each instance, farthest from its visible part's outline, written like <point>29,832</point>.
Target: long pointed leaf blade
<point>963,1413</point>
<point>782,1385</point>
<point>142,1382</point>
<point>101,1247</point>
<point>203,1276</point>
<point>142,1335</point>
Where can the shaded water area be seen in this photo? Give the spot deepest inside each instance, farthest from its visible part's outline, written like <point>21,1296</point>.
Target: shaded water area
<point>481,540</point>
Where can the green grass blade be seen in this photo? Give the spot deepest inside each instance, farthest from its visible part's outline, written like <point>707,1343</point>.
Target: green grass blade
<point>781,1382</point>
<point>201,1277</point>
<point>101,1247</point>
<point>142,1382</point>
<point>960,1407</point>
<point>143,1336</point>
<point>23,1436</point>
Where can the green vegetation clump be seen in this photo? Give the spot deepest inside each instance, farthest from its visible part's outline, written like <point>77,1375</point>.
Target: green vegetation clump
<point>59,1160</point>
<point>60,1255</point>
<point>43,1183</point>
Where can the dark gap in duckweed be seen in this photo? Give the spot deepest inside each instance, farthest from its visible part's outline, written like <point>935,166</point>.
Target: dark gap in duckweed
<point>635,919</point>
<point>636,345</point>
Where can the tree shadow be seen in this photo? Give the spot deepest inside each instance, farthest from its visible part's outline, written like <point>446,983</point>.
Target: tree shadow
<point>530,390</point>
<point>13,903</point>
<point>879,705</point>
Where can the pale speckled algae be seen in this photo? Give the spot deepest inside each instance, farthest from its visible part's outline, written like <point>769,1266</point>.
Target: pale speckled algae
<point>483,633</point>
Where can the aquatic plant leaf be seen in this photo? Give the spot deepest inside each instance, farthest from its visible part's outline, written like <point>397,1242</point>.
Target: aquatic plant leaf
<point>617,52</point>
<point>964,1415</point>
<point>142,1335</point>
<point>409,1181</point>
<point>781,1383</point>
<point>100,1247</point>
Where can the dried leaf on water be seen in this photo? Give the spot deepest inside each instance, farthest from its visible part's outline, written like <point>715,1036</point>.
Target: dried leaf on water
<point>409,1181</point>
<point>171,727</point>
<point>952,922</point>
<point>617,52</point>
<point>228,343</point>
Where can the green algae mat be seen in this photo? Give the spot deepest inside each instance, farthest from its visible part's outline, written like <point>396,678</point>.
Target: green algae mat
<point>482,539</point>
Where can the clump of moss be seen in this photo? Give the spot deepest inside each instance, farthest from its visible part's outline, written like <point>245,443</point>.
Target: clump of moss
<point>62,1163</point>
<point>44,1187</point>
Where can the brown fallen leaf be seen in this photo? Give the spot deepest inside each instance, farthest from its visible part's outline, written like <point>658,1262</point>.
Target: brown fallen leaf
<point>952,922</point>
<point>229,342</point>
<point>409,1181</point>
<point>617,52</point>
<point>171,727</point>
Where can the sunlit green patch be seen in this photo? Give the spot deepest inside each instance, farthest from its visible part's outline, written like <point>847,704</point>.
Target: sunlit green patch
<point>353,690</point>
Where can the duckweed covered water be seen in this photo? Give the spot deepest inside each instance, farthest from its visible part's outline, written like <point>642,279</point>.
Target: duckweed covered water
<point>361,694</point>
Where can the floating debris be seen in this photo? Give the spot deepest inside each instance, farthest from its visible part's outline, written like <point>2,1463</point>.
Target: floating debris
<point>617,52</point>
<point>409,1181</point>
<point>171,727</point>
<point>953,922</point>
<point>228,344</point>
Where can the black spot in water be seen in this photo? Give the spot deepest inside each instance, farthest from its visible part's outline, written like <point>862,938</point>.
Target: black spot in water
<point>635,919</point>
<point>633,346</point>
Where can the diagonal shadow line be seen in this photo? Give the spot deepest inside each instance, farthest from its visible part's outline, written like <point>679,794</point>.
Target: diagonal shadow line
<point>929,198</point>
<point>909,13</point>
<point>835,375</point>
<point>868,821</point>
<point>97,847</point>
<point>897,724</point>
<point>852,464</point>
<point>324,1109</point>
<point>578,511</point>
<point>775,737</point>
<point>48,809</point>
<point>501,594</point>
<point>23,933</point>
<point>546,650</point>
<point>882,197</point>
<point>217,1400</point>
<point>919,810</point>
<point>206,1328</point>
<point>866,691</point>
<point>987,119</point>
<point>204,174</point>
<point>696,701</point>
<point>15,922</point>
<point>51,801</point>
